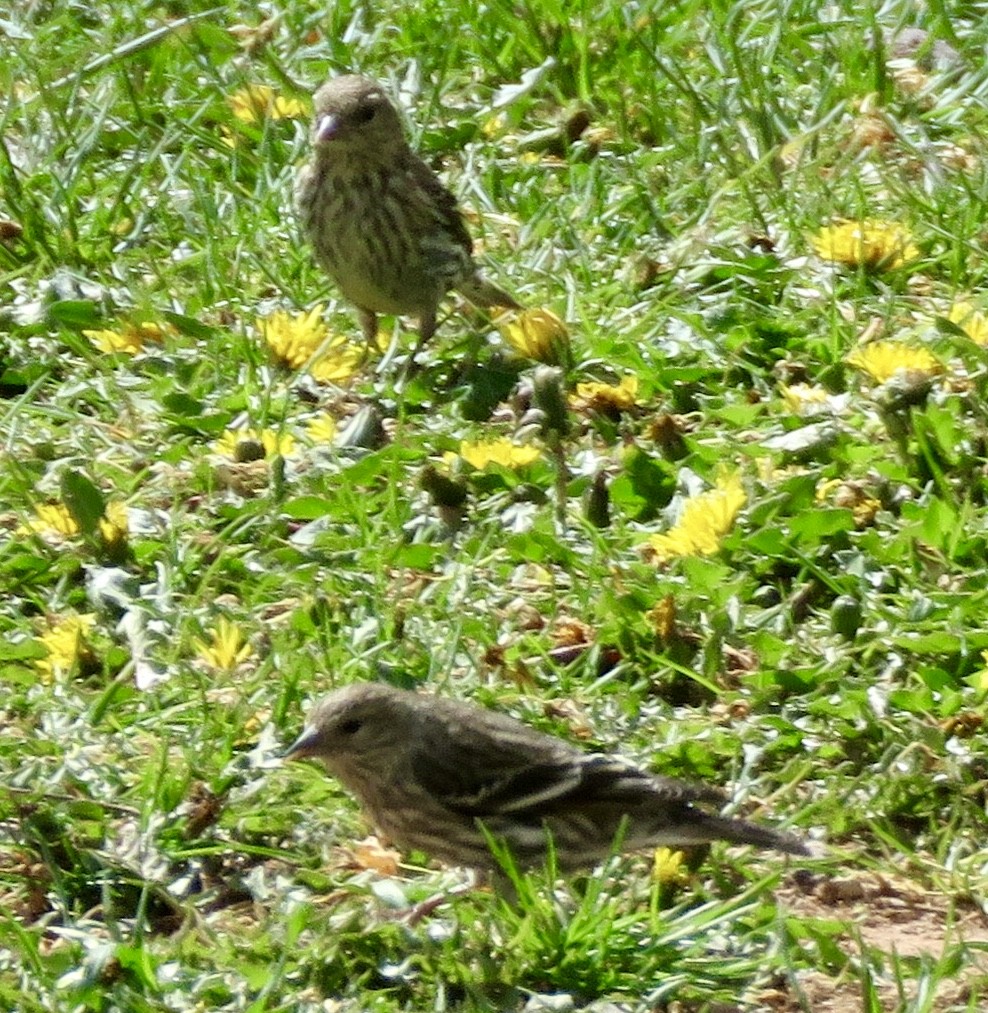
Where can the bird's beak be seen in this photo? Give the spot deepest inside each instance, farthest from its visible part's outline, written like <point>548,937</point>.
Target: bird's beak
<point>306,745</point>
<point>327,127</point>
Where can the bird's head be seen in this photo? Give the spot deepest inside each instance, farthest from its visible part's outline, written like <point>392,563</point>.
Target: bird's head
<point>353,112</point>
<point>352,725</point>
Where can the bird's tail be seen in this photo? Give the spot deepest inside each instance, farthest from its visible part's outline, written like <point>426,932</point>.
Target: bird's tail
<point>705,828</point>
<point>743,832</point>
<point>481,292</point>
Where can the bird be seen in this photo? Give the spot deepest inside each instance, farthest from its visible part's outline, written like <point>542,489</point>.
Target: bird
<point>380,222</point>
<point>444,777</point>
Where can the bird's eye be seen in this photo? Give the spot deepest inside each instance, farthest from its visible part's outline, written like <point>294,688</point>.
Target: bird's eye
<point>350,727</point>
<point>365,114</point>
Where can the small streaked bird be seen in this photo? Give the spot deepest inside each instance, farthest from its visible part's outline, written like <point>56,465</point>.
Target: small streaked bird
<point>430,772</point>
<point>380,222</point>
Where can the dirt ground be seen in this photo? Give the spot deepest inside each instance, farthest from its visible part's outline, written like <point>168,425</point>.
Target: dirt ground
<point>897,918</point>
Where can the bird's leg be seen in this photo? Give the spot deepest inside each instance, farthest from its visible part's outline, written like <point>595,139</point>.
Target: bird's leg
<point>427,327</point>
<point>422,910</point>
<point>368,325</point>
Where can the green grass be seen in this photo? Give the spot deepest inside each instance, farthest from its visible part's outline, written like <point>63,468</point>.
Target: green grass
<point>153,855</point>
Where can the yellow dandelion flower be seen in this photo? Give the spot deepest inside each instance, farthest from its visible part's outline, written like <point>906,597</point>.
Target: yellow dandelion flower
<point>874,245</point>
<point>294,339</point>
<point>502,452</point>
<point>277,443</point>
<point>51,519</point>
<point>826,489</point>
<point>226,648</point>
<point>288,109</point>
<point>303,340</point>
<point>338,363</point>
<point>971,321</point>
<point>494,125</point>
<point>537,334</point>
<point>113,526</point>
<point>66,641</point>
<point>272,442</point>
<point>56,520</point>
<point>128,340</point>
<point>668,867</point>
<point>705,520</point>
<point>258,102</point>
<point>607,397</point>
<point>124,342</point>
<point>882,360</point>
<point>321,429</point>
<point>979,680</point>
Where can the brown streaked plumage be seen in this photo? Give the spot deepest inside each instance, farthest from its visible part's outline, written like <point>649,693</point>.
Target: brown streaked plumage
<point>380,222</point>
<point>430,771</point>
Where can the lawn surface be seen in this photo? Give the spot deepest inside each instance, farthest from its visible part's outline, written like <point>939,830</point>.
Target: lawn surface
<point>753,554</point>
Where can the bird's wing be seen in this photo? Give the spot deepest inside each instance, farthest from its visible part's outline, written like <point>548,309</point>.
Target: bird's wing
<point>443,205</point>
<point>493,784</point>
<point>482,779</point>
<point>615,783</point>
<point>447,242</point>
<point>436,224</point>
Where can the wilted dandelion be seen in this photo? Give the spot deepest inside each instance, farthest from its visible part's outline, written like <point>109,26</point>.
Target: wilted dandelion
<point>851,496</point>
<point>662,616</point>
<point>956,157</point>
<point>801,396</point>
<point>872,130</point>
<point>911,80</point>
<point>806,399</point>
